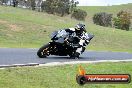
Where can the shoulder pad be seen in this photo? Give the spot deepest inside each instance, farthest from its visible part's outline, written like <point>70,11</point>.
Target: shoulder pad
<point>72,29</point>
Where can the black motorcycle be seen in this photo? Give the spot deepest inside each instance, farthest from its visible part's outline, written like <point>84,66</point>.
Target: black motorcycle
<point>62,44</point>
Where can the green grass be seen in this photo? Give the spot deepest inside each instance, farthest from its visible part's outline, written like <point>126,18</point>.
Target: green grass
<point>61,76</point>
<point>26,28</point>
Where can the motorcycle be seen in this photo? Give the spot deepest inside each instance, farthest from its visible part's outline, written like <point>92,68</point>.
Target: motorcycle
<point>62,44</point>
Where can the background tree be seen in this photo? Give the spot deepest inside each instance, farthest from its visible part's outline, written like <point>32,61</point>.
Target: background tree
<point>33,4</point>
<point>3,2</point>
<point>123,20</point>
<point>38,5</point>
<point>73,5</point>
<point>15,3</point>
<point>59,7</point>
<point>79,14</point>
<point>102,19</point>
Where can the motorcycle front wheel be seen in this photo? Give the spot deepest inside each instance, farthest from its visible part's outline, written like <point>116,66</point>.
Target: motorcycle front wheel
<point>43,52</point>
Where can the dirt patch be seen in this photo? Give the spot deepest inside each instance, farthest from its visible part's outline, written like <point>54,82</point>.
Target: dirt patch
<point>2,21</point>
<point>12,27</point>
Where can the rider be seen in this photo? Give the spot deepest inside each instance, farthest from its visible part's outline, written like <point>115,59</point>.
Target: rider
<point>78,32</point>
<point>79,29</point>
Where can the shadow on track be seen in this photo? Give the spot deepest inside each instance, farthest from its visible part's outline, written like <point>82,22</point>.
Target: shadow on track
<point>68,58</point>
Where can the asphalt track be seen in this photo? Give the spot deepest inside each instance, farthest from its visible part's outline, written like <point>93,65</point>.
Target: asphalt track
<point>10,56</point>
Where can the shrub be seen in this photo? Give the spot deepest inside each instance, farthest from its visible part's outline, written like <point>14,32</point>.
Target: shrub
<point>123,20</point>
<point>102,19</point>
<point>79,14</point>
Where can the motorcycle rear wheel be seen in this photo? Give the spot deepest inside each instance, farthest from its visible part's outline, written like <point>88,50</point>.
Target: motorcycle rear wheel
<point>75,55</point>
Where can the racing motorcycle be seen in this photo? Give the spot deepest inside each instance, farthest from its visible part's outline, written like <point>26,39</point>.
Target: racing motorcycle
<point>62,44</point>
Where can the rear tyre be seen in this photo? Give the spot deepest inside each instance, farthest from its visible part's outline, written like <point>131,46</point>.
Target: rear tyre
<point>74,55</point>
<point>43,52</point>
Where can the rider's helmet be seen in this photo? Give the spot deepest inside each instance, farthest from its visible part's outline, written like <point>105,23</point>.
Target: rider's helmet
<point>80,28</point>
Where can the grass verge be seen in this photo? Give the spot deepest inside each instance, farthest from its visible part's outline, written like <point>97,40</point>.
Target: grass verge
<point>61,76</point>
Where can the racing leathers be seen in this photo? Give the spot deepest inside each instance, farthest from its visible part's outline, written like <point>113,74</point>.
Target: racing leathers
<point>80,44</point>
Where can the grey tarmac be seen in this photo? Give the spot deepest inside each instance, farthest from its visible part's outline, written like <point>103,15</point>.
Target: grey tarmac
<point>23,56</point>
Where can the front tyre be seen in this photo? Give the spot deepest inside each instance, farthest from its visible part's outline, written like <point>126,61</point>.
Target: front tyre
<point>43,52</point>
